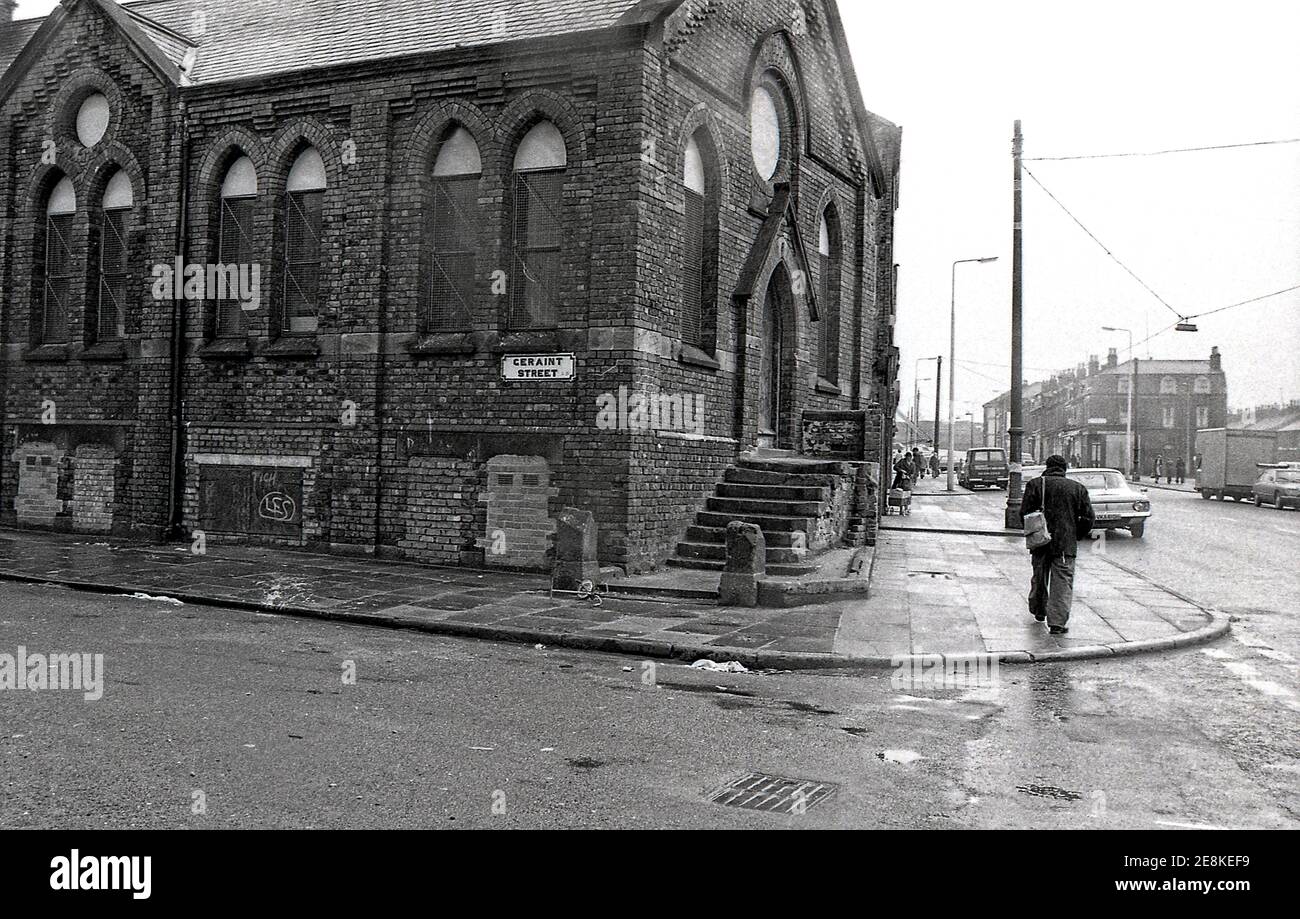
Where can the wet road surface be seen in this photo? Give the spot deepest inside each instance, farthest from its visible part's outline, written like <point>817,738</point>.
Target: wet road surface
<point>248,715</point>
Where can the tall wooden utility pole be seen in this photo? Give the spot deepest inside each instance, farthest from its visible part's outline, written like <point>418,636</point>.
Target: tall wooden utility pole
<point>1017,430</point>
<point>938,388</point>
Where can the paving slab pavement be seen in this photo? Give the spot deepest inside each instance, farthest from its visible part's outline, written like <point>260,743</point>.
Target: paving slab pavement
<point>932,593</point>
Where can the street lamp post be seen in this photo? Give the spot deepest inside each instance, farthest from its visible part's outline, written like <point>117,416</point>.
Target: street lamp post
<point>952,365</point>
<point>1128,434</point>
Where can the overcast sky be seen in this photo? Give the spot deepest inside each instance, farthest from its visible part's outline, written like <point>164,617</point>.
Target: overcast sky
<point>1202,229</point>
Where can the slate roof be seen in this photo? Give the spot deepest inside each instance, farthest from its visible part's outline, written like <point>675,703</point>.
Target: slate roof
<point>13,36</point>
<point>251,38</point>
<point>1157,366</point>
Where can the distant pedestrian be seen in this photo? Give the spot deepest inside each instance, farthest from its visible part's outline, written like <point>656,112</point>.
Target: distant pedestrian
<point>1068,510</point>
<point>934,464</point>
<point>918,463</point>
<point>1159,468</point>
<point>1180,469</point>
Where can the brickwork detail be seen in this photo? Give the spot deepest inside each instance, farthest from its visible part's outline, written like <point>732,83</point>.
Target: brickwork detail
<point>38,502</point>
<point>94,491</point>
<point>519,524</point>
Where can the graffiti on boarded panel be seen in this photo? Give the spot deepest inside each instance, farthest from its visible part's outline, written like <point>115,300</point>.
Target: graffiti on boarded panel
<point>251,500</point>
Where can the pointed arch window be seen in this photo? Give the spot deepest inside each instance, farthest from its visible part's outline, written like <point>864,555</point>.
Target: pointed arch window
<point>57,266</point>
<point>699,247</point>
<point>235,238</point>
<point>114,228</point>
<point>304,208</point>
<point>452,234</point>
<point>828,272</point>
<point>537,228</point>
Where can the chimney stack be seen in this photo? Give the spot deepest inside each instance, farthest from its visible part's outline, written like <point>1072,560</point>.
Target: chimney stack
<point>7,11</point>
<point>1094,364</point>
<point>1112,359</point>
<point>1216,360</point>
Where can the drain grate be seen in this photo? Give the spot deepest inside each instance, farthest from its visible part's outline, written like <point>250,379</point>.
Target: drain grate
<point>1049,791</point>
<point>757,791</point>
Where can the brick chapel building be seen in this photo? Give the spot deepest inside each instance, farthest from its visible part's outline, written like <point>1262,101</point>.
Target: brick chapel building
<point>456,266</point>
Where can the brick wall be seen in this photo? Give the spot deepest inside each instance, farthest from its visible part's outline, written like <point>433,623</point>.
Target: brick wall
<point>94,492</point>
<point>625,104</point>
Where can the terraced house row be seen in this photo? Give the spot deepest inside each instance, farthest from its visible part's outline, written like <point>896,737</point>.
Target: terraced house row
<point>374,275</point>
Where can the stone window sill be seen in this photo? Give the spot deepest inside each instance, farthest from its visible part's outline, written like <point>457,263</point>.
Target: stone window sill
<point>540,340</point>
<point>226,349</point>
<point>46,354</point>
<point>104,351</point>
<point>826,387</point>
<point>695,357</point>
<point>443,343</point>
<point>292,346</point>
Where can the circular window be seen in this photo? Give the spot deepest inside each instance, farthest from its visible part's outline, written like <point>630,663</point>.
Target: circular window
<point>92,119</point>
<point>765,132</point>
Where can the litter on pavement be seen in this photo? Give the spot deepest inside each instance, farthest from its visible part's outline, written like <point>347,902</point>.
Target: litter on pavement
<point>714,667</point>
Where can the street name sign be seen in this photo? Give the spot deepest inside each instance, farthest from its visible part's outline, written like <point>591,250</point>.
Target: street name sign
<point>538,367</point>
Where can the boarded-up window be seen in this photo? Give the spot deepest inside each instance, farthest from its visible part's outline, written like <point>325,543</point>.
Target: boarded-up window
<point>113,228</point>
<point>829,294</point>
<point>537,244</point>
<point>235,247</point>
<point>453,239</point>
<point>58,278</point>
<point>693,271</point>
<point>302,233</point>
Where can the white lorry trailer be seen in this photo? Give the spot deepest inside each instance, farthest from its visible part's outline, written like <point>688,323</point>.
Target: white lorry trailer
<point>1230,461</point>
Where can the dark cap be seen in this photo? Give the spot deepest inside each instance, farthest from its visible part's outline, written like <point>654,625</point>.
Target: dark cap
<point>1058,461</point>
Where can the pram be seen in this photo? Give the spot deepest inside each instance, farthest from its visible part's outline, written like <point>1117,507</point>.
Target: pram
<point>900,496</point>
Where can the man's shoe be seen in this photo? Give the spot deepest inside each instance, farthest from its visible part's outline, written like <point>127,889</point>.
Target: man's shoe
<point>1059,630</point>
<point>1040,618</point>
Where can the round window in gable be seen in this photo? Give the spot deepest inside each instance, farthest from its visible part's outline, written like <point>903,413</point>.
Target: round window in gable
<point>765,132</point>
<point>92,119</point>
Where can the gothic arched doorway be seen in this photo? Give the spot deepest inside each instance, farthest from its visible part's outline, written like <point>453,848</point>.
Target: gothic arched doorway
<point>774,379</point>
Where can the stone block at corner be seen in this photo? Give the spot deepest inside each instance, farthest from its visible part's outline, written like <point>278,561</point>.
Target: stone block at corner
<point>746,565</point>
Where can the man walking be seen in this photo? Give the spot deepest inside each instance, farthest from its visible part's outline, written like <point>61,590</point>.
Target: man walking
<point>1180,468</point>
<point>1068,510</point>
<point>1160,467</point>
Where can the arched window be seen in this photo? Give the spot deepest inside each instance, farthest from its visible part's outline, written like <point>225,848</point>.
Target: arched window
<point>56,269</point>
<point>828,272</point>
<point>537,228</point>
<point>1168,386</point>
<point>304,205</point>
<point>1202,386</point>
<point>765,129</point>
<point>452,234</point>
<point>92,119</point>
<point>235,237</point>
<point>114,226</point>
<point>700,247</point>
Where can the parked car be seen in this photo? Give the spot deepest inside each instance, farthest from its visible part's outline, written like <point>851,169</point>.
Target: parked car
<point>1279,487</point>
<point>1115,504</point>
<point>986,467</point>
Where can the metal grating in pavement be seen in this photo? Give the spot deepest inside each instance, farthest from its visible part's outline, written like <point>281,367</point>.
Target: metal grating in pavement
<point>757,791</point>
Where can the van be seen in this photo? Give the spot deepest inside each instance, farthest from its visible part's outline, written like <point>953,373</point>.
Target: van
<point>986,467</point>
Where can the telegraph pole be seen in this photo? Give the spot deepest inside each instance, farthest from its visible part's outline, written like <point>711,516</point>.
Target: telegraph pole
<point>1014,495</point>
<point>938,388</point>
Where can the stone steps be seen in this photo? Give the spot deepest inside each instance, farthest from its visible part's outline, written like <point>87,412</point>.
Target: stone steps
<point>784,495</point>
<point>774,492</point>
<point>765,507</point>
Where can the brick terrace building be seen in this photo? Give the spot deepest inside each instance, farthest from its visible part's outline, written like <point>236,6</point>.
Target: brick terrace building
<point>1083,413</point>
<point>689,198</point>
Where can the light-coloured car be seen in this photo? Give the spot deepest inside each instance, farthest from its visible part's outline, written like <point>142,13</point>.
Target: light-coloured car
<point>1279,486</point>
<point>1032,472</point>
<point>1115,503</point>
